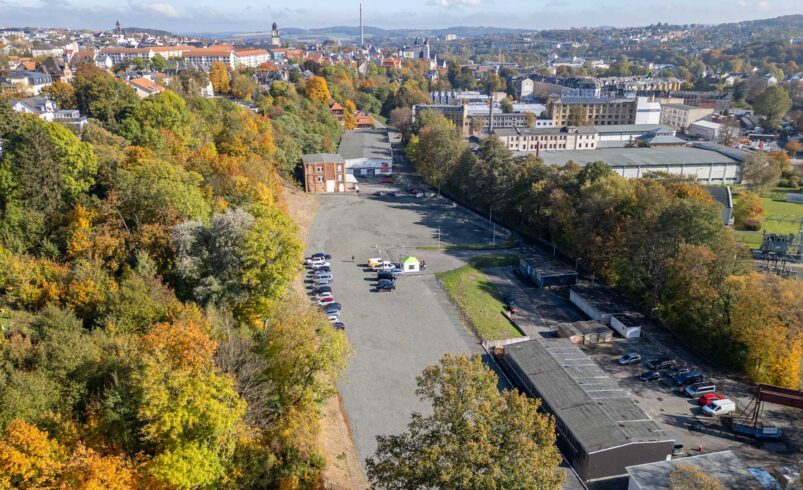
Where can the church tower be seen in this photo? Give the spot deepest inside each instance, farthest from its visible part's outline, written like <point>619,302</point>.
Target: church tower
<point>274,36</point>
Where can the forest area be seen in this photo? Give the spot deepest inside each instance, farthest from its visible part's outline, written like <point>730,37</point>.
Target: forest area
<point>151,336</point>
<point>658,239</point>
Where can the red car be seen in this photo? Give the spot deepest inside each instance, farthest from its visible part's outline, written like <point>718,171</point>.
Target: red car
<point>386,180</point>
<point>708,398</point>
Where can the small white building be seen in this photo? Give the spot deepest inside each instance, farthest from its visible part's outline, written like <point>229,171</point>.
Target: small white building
<point>410,264</point>
<point>708,130</point>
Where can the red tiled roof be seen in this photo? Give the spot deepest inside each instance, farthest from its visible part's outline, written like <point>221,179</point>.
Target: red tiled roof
<point>146,85</point>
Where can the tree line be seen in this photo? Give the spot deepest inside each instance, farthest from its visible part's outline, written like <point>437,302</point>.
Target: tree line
<point>150,334</point>
<point>659,239</point>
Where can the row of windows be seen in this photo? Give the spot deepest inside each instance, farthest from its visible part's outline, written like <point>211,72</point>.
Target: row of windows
<point>319,169</point>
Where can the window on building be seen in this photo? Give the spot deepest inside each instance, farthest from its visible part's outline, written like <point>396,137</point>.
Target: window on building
<point>319,168</point>
<point>320,178</point>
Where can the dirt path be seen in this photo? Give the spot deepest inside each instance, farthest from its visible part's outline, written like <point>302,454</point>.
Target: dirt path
<point>343,470</point>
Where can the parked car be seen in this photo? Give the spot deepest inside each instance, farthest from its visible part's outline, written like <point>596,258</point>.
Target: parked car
<point>333,317</point>
<point>709,397</point>
<point>332,307</point>
<point>385,285</point>
<point>384,266</point>
<point>676,371</point>
<point>396,271</point>
<point>323,294</point>
<point>319,265</point>
<point>327,300</point>
<point>661,363</point>
<point>391,194</point>
<point>339,325</point>
<point>323,275</point>
<point>322,282</point>
<point>323,268</point>
<point>630,358</point>
<point>689,378</point>
<point>720,407</point>
<point>386,275</point>
<point>378,193</point>
<point>386,180</point>
<point>321,289</point>
<point>321,255</point>
<point>373,261</point>
<point>650,376</point>
<point>699,389</point>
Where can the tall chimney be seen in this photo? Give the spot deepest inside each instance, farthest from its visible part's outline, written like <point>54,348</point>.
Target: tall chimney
<point>491,115</point>
<point>362,31</point>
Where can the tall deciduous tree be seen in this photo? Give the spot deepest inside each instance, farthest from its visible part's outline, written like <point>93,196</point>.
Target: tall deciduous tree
<point>774,103</point>
<point>475,437</point>
<point>220,78</point>
<point>760,172</point>
<point>317,90</point>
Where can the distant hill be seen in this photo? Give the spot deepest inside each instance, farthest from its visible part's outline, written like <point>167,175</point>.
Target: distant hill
<point>353,32</point>
<point>146,30</point>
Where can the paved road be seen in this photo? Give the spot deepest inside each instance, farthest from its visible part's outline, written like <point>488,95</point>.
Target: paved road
<point>394,335</point>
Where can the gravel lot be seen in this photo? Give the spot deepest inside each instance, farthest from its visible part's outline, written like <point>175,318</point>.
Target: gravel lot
<point>395,335</point>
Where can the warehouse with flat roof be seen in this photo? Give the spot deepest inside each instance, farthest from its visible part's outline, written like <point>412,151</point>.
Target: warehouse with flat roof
<point>601,429</point>
<point>708,163</point>
<point>367,152</point>
<point>546,271</point>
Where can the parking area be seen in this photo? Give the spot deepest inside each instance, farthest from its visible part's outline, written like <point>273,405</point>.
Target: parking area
<point>541,309</point>
<point>395,335</point>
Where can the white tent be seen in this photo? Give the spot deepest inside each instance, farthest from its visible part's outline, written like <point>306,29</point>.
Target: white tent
<point>410,264</point>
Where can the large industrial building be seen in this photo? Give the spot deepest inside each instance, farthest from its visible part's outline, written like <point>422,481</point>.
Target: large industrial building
<point>708,163</point>
<point>601,429</point>
<point>367,152</point>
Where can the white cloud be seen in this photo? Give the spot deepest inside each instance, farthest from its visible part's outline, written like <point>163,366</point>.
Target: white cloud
<point>165,9</point>
<point>456,3</point>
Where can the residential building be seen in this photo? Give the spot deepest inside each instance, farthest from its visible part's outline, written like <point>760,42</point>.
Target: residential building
<point>121,55</point>
<point>680,116</point>
<point>47,110</point>
<point>46,50</point>
<point>707,163</point>
<point>324,172</point>
<point>601,429</point>
<point>58,70</point>
<point>223,53</point>
<point>539,139</point>
<point>724,467</point>
<point>336,110</point>
<point>145,87</point>
<point>251,57</point>
<point>28,82</point>
<point>367,152</point>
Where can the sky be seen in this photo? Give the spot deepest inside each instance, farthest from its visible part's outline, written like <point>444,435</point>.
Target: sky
<point>182,16</point>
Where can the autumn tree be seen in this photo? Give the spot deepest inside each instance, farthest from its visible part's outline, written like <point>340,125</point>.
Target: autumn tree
<point>467,441</point>
<point>62,93</point>
<point>317,90</point>
<point>402,119</point>
<point>748,209</point>
<point>243,87</point>
<point>28,458</point>
<point>220,78</point>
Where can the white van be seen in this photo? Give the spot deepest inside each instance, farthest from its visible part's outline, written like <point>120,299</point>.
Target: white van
<point>720,407</point>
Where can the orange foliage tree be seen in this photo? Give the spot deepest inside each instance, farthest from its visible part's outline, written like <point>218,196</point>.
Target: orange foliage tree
<point>317,90</point>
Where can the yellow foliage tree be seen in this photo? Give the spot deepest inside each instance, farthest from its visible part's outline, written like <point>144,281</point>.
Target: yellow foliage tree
<point>317,90</point>
<point>220,78</point>
<point>349,120</point>
<point>767,317</point>
<point>28,459</point>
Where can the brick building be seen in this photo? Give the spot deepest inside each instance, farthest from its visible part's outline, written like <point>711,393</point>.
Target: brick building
<point>324,172</point>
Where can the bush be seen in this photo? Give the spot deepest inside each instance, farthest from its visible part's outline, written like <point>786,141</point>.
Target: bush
<point>751,224</point>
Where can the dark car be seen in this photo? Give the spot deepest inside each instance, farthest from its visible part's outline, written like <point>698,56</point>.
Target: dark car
<point>391,194</point>
<point>339,325</point>
<point>386,275</point>
<point>689,378</point>
<point>661,363</point>
<point>322,289</point>
<point>676,371</point>
<point>378,193</point>
<point>650,376</point>
<point>323,268</point>
<point>321,255</point>
<point>396,271</point>
<point>332,307</point>
<point>385,285</point>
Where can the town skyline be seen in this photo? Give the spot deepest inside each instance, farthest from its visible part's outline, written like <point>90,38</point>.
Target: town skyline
<point>183,16</point>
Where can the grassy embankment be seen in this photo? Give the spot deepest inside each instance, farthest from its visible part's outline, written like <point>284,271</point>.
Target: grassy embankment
<point>478,300</point>
<point>773,208</point>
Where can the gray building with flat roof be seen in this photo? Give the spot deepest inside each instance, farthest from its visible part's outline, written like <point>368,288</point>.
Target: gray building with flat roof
<point>707,163</point>
<point>601,429</point>
<point>724,466</point>
<point>367,152</point>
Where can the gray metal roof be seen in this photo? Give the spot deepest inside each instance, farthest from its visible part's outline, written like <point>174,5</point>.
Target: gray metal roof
<point>365,143</point>
<point>602,298</point>
<point>546,266</point>
<point>724,466</point>
<point>597,412</point>
<point>645,157</point>
<point>322,158</point>
<point>631,128</point>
